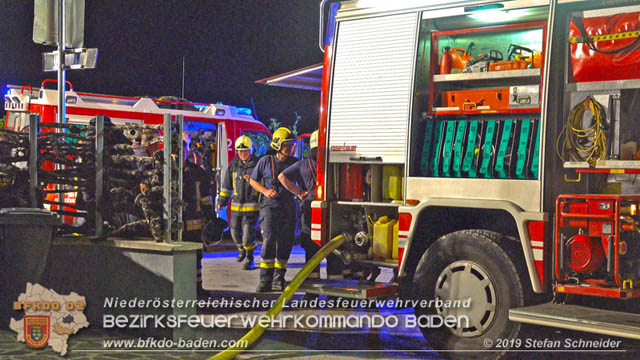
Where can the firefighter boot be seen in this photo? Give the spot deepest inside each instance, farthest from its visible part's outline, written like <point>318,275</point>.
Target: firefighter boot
<point>248,263</point>
<point>278,280</point>
<point>241,256</point>
<point>266,277</point>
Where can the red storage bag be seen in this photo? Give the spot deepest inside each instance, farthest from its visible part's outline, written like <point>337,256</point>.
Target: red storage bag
<point>613,57</point>
<point>351,182</point>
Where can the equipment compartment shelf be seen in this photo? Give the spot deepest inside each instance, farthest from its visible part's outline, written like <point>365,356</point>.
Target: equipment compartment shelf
<point>604,85</point>
<point>368,203</point>
<point>615,165</point>
<point>389,263</point>
<point>487,112</point>
<point>533,74</point>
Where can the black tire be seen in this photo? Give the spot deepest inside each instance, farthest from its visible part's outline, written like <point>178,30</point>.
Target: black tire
<point>476,260</point>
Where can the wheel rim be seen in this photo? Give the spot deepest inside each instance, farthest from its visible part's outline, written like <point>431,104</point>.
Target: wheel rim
<point>462,280</point>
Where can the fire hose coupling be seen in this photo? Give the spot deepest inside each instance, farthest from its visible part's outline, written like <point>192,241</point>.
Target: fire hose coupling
<point>345,256</point>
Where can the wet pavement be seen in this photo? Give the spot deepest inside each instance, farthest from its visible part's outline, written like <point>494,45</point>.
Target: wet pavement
<point>223,278</point>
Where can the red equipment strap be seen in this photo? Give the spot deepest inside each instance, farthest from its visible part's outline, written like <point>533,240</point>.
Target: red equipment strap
<point>273,171</point>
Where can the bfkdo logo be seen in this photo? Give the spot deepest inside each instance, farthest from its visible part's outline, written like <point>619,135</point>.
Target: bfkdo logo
<point>49,318</point>
<point>36,330</point>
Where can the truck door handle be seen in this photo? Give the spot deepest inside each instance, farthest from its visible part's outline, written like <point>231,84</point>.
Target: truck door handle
<point>364,158</point>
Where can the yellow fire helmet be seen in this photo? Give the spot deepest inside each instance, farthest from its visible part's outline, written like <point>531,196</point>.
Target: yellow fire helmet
<point>243,143</point>
<point>313,140</point>
<point>281,136</point>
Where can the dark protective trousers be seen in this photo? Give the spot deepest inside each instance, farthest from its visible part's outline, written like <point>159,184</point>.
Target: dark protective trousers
<point>242,227</point>
<point>334,264</point>
<point>310,249</point>
<point>278,230</point>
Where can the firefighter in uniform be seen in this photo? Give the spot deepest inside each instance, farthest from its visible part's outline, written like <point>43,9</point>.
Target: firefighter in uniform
<point>277,212</point>
<point>244,202</point>
<point>300,179</point>
<point>199,208</point>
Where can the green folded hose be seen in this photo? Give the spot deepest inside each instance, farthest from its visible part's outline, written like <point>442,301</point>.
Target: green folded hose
<point>288,292</point>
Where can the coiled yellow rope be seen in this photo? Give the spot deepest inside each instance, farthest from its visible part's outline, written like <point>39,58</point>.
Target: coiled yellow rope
<point>580,142</point>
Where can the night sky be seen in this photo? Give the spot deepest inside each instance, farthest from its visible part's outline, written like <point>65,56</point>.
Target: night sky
<point>227,44</point>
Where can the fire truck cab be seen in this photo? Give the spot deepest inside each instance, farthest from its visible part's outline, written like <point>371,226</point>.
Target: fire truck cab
<point>507,183</point>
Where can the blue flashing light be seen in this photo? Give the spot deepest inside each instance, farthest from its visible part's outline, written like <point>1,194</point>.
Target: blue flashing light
<point>331,23</point>
<point>243,111</point>
<point>200,107</point>
<point>8,92</point>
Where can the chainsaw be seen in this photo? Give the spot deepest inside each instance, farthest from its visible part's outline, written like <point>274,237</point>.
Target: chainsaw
<point>515,59</point>
<point>481,63</point>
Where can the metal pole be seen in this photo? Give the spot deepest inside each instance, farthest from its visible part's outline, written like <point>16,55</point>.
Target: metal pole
<point>167,177</point>
<point>99,171</point>
<point>62,79</point>
<point>33,159</point>
<point>183,77</point>
<point>61,69</point>
<point>179,125</point>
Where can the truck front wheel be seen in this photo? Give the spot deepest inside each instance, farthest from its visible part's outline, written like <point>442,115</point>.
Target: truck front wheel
<point>467,282</point>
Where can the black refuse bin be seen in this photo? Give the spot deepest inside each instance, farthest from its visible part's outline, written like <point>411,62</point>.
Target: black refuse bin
<point>25,239</point>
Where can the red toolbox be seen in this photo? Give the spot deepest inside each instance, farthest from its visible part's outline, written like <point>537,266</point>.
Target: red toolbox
<point>605,48</point>
<point>466,100</point>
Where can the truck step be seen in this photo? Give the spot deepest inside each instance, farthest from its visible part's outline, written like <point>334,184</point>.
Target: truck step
<point>380,263</point>
<point>351,289</point>
<point>580,318</point>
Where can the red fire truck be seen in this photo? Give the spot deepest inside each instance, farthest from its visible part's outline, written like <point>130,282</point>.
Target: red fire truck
<point>215,124</point>
<point>82,106</point>
<point>509,183</point>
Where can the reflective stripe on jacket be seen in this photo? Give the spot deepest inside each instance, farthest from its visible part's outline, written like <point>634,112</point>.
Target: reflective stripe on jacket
<point>245,198</point>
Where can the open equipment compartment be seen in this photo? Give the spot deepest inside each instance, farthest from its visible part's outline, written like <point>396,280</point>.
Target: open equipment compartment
<point>483,103</point>
<point>596,237</point>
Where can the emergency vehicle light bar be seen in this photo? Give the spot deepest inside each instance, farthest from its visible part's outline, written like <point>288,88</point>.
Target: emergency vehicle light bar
<point>243,111</point>
<point>74,59</point>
